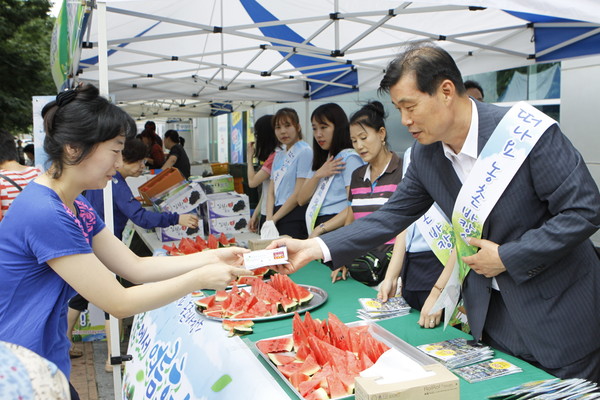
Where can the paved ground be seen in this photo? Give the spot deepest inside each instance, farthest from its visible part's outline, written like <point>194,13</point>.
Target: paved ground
<point>88,375</point>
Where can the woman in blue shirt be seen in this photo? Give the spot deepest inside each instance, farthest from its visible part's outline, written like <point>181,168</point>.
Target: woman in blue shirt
<point>54,243</point>
<point>334,160</point>
<point>290,168</point>
<point>125,207</point>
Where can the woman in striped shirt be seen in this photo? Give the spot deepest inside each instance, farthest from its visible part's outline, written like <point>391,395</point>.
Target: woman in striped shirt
<point>371,187</point>
<point>13,176</point>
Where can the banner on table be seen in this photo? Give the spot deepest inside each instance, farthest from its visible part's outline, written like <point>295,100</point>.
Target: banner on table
<point>179,355</point>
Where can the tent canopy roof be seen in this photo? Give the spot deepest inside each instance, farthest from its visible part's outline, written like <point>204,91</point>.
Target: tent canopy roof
<point>189,54</point>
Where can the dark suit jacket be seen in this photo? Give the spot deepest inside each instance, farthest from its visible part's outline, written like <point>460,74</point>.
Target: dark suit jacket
<point>542,223</point>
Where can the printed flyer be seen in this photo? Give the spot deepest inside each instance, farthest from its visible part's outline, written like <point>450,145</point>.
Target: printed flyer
<point>178,355</point>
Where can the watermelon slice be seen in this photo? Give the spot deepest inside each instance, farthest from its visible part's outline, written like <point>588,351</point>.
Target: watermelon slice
<point>212,242</point>
<point>238,327</point>
<point>319,394</point>
<point>221,295</point>
<point>336,387</point>
<point>200,243</point>
<point>275,345</point>
<point>280,359</point>
<point>206,302</point>
<point>223,240</point>
<point>287,305</point>
<point>308,387</point>
<point>297,378</point>
<point>290,369</point>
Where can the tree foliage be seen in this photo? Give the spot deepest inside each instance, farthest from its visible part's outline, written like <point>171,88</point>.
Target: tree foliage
<point>25,32</point>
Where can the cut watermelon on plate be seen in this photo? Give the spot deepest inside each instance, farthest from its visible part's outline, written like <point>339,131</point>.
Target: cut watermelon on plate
<point>321,353</point>
<point>257,302</point>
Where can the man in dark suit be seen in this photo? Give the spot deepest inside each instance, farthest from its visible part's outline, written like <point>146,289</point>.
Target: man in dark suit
<point>534,286</point>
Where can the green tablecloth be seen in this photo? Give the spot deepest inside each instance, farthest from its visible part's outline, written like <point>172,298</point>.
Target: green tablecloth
<point>342,301</point>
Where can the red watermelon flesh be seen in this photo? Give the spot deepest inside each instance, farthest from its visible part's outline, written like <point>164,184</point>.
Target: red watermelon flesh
<point>308,387</point>
<point>206,302</point>
<point>299,333</point>
<point>289,369</point>
<point>212,242</point>
<point>214,313</point>
<point>302,351</point>
<point>336,387</point>
<point>275,345</point>
<point>223,240</point>
<point>311,366</point>
<point>297,378</point>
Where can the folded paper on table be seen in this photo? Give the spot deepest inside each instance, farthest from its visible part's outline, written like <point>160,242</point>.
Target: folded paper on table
<point>394,366</point>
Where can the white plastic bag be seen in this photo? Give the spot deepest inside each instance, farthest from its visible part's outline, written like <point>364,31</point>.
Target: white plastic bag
<point>269,231</point>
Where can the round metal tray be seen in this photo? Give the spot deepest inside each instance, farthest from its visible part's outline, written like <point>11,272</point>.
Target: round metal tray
<point>319,297</point>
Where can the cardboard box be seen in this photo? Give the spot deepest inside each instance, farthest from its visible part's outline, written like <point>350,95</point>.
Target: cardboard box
<point>229,225</point>
<point>183,200</point>
<point>215,184</point>
<point>168,178</point>
<point>177,232</point>
<point>442,386</point>
<point>227,205</point>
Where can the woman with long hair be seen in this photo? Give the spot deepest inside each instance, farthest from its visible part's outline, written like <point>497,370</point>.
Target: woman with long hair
<point>264,150</point>
<point>334,160</point>
<point>290,168</point>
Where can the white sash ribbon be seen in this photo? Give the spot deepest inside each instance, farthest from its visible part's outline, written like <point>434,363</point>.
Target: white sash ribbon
<point>312,211</point>
<point>289,159</point>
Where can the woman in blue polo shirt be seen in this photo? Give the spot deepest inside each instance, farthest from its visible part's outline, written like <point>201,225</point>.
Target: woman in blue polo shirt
<point>54,243</point>
<point>334,160</point>
<point>290,168</point>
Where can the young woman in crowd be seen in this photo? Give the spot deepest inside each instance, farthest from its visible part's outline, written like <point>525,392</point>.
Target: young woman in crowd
<point>125,207</point>
<point>13,176</point>
<point>334,160</point>
<point>155,157</point>
<point>372,185</point>
<point>264,151</point>
<point>290,168</point>
<point>177,156</point>
<point>54,244</point>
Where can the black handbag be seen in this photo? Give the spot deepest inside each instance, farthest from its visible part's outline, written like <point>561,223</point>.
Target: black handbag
<point>370,268</point>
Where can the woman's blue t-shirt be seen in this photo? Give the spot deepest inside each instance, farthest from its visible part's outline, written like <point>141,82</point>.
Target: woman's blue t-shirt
<point>37,228</point>
<point>336,199</point>
<point>299,168</point>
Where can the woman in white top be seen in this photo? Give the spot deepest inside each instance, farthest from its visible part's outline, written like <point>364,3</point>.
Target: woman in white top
<point>290,168</point>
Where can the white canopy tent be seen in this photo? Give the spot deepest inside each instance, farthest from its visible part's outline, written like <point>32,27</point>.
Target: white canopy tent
<point>187,57</point>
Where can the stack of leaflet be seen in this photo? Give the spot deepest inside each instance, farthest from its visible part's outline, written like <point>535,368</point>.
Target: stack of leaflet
<point>456,353</point>
<point>550,389</point>
<point>487,370</point>
<point>376,309</point>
